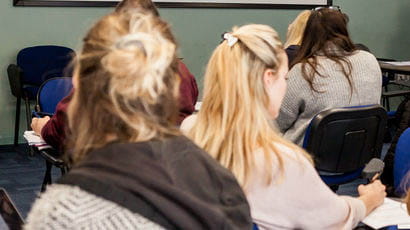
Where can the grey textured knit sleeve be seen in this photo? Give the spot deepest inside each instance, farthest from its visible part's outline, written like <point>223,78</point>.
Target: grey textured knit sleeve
<point>68,207</point>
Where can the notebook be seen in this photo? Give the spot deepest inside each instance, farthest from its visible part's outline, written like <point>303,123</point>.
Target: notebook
<point>10,218</point>
<point>390,213</point>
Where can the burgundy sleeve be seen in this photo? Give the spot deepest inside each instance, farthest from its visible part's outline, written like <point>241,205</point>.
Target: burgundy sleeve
<point>54,130</point>
<point>188,91</point>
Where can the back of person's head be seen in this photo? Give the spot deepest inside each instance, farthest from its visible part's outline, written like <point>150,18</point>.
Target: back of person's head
<point>326,28</point>
<point>297,28</point>
<point>125,83</point>
<point>326,34</point>
<point>147,5</point>
<point>235,117</point>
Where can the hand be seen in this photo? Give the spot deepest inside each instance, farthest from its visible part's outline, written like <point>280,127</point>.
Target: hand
<point>372,194</point>
<point>37,124</point>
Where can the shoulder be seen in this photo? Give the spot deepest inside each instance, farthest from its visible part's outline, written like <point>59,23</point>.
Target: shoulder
<point>292,157</point>
<point>66,207</point>
<point>187,123</point>
<point>361,56</point>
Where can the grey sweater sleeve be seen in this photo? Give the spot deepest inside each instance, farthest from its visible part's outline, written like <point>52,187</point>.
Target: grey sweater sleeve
<point>69,207</point>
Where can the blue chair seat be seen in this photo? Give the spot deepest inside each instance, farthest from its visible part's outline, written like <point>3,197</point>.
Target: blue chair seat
<point>341,179</point>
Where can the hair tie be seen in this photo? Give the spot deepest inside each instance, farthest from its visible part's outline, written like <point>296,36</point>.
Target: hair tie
<point>130,41</point>
<point>230,39</point>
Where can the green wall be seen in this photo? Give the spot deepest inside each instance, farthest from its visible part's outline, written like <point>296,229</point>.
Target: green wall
<point>379,24</point>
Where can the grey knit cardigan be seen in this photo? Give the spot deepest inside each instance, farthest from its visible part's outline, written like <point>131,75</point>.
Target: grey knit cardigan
<point>301,104</point>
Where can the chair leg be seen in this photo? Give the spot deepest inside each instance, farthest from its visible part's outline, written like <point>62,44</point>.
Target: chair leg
<point>17,122</point>
<point>28,114</point>
<point>63,170</point>
<point>28,120</point>
<point>47,177</point>
<point>386,101</point>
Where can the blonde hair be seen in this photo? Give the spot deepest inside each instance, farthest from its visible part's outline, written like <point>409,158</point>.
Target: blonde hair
<point>126,83</point>
<point>296,29</point>
<point>234,119</point>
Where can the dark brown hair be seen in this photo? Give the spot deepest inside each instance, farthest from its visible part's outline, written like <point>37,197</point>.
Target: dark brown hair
<point>325,35</point>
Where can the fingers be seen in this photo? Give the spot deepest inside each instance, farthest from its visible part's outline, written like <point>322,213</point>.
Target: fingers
<point>34,122</point>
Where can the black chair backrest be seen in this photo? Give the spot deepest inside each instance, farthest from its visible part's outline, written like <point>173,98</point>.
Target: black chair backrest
<point>344,139</point>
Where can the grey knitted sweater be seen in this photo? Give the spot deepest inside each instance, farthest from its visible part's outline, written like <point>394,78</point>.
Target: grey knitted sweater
<point>301,104</point>
<point>69,207</point>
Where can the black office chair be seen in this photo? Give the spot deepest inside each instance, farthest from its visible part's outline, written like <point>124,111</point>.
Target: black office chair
<point>34,66</point>
<point>343,140</point>
<point>50,93</point>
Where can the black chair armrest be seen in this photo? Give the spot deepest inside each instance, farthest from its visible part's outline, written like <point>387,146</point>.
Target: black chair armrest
<point>53,156</point>
<point>15,80</point>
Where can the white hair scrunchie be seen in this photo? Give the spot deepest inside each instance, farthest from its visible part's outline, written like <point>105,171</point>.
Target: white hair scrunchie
<point>230,39</point>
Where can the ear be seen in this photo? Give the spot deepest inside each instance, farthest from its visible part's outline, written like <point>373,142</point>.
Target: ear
<point>269,77</point>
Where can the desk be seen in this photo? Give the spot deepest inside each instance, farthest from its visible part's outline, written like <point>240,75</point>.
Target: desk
<point>394,69</point>
<point>391,71</point>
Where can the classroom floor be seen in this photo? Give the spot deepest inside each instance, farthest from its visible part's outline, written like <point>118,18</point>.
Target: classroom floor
<point>22,177</point>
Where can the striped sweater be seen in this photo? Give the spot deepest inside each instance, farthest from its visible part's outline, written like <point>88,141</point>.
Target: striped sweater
<point>69,207</point>
<point>301,104</point>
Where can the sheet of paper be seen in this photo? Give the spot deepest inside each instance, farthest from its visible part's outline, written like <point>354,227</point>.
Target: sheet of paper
<point>389,213</point>
<point>398,63</point>
<point>35,140</point>
<point>198,105</point>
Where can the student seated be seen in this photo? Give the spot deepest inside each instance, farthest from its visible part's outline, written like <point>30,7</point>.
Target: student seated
<point>53,130</point>
<point>328,72</point>
<point>295,34</point>
<point>402,122</point>
<point>133,169</point>
<point>244,87</point>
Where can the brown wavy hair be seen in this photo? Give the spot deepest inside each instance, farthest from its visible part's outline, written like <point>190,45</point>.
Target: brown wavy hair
<point>325,35</point>
<point>126,85</point>
<point>147,5</point>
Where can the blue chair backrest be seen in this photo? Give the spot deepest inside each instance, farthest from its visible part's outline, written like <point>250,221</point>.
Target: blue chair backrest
<point>52,91</point>
<point>402,163</point>
<point>40,63</point>
<point>343,140</point>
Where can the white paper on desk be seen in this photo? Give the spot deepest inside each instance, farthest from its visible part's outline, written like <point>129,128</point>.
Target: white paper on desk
<point>389,213</point>
<point>33,139</point>
<point>398,63</point>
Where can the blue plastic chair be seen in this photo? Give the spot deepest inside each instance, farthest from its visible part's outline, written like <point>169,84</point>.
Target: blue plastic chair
<point>34,66</point>
<point>50,93</point>
<point>343,140</point>
<point>402,163</point>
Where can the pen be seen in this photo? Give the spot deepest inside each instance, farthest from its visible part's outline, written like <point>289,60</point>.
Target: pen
<point>375,177</point>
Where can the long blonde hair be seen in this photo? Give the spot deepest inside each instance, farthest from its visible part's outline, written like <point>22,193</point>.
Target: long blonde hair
<point>126,85</point>
<point>234,119</point>
<point>296,29</point>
